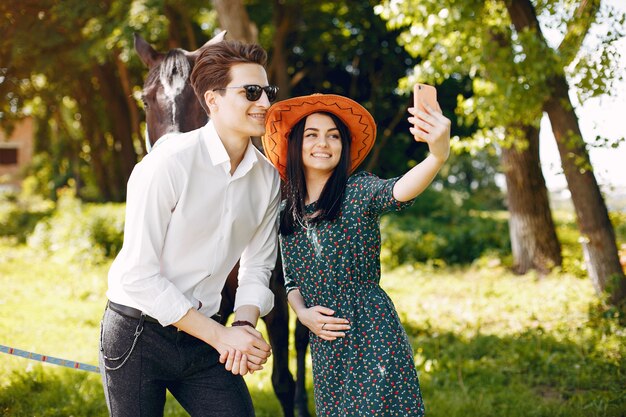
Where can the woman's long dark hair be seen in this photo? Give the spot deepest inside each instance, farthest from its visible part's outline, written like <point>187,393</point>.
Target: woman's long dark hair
<point>329,203</point>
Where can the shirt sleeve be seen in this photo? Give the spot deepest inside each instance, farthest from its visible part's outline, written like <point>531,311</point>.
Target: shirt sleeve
<point>153,191</point>
<point>377,194</point>
<point>259,259</point>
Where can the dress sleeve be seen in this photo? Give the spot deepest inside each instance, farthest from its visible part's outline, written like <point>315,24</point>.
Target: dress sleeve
<point>377,194</point>
<point>290,283</point>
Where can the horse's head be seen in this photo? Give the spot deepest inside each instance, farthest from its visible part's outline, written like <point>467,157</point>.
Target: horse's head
<point>169,100</point>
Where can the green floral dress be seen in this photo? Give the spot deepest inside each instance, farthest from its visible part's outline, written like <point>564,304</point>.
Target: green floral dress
<point>371,371</point>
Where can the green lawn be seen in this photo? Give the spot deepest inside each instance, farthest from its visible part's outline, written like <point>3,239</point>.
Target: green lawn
<point>486,343</point>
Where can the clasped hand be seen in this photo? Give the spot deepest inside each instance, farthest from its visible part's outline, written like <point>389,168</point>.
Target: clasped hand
<point>242,349</point>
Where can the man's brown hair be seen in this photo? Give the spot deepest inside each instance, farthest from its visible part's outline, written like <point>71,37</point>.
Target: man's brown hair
<point>212,68</point>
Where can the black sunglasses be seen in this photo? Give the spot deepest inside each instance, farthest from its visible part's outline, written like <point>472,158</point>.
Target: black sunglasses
<point>254,91</point>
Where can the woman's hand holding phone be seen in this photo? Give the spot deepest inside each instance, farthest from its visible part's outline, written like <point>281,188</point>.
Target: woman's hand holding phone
<point>429,123</point>
<point>431,126</point>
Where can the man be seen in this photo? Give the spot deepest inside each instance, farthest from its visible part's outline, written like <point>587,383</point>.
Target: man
<point>195,205</point>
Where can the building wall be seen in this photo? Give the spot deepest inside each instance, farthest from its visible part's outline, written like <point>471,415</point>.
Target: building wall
<point>16,152</point>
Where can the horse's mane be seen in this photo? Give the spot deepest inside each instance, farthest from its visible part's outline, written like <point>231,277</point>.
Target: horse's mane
<point>173,73</point>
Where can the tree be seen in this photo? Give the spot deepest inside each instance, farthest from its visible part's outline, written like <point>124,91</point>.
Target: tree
<point>598,241</point>
<point>77,59</point>
<point>514,72</point>
<point>497,105</point>
<point>534,243</point>
<point>71,66</point>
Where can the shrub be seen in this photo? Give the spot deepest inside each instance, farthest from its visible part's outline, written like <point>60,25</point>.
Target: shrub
<point>437,229</point>
<point>106,226</point>
<point>79,232</point>
<point>20,214</point>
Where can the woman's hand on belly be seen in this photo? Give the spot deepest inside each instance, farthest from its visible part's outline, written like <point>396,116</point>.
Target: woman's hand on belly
<point>321,321</point>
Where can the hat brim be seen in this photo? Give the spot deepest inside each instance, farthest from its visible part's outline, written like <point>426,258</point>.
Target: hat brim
<point>282,116</point>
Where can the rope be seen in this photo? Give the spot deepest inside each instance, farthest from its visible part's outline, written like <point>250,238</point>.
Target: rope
<point>49,359</point>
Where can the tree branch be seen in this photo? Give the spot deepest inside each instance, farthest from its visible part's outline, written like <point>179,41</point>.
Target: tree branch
<point>577,29</point>
<point>380,144</point>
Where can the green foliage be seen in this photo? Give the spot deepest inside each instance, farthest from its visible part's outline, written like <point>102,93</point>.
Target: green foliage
<point>106,227</point>
<point>619,224</point>
<point>20,214</point>
<point>82,83</point>
<point>52,394</point>
<point>78,232</point>
<point>444,227</point>
<point>438,229</point>
<point>510,70</point>
<point>572,251</point>
<point>71,66</point>
<point>471,177</point>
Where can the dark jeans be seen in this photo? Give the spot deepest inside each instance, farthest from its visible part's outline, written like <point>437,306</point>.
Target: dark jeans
<point>159,358</point>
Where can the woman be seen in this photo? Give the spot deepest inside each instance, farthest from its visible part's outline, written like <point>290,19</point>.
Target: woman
<point>330,241</point>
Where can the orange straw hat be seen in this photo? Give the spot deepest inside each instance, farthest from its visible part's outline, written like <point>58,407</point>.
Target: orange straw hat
<point>282,116</point>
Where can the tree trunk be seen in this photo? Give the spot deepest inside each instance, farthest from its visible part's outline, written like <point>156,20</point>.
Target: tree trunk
<point>106,175</point>
<point>125,83</point>
<point>534,244</point>
<point>180,31</point>
<point>277,69</point>
<point>598,235</point>
<point>99,170</point>
<point>119,116</point>
<point>193,42</point>
<point>533,237</point>
<point>175,34</point>
<point>106,179</point>
<point>234,18</point>
<point>600,250</point>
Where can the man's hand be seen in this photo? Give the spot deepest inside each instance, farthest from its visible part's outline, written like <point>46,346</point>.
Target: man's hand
<point>242,349</point>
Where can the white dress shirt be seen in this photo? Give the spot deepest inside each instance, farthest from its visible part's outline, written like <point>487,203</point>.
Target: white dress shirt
<point>188,221</point>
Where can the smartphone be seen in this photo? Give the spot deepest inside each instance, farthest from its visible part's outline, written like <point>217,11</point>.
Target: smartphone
<point>424,93</point>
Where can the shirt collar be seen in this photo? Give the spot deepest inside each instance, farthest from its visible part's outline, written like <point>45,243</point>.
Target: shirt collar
<point>219,156</point>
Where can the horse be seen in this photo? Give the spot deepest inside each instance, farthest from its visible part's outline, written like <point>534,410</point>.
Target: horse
<point>171,106</point>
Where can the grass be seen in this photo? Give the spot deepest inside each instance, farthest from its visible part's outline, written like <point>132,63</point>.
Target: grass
<point>486,342</point>
<point>54,308</point>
